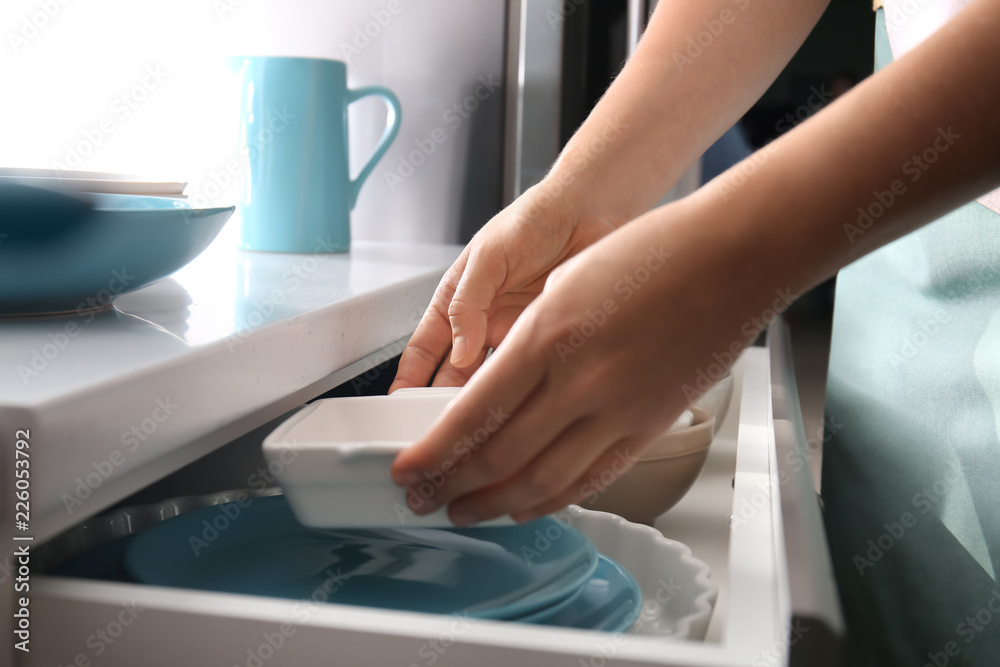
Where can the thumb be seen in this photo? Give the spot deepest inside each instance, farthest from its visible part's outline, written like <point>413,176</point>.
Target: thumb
<point>470,303</point>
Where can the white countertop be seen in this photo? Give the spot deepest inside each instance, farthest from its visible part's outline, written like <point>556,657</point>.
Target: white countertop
<point>234,339</point>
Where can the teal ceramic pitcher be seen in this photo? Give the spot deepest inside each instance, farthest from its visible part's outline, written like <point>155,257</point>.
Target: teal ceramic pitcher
<point>297,193</point>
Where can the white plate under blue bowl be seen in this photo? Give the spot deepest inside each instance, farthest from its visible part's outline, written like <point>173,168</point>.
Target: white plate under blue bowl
<point>610,601</point>
<point>65,253</point>
<point>90,181</point>
<point>500,573</point>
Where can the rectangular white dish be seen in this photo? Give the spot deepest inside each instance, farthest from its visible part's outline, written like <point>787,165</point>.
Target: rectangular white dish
<point>333,458</point>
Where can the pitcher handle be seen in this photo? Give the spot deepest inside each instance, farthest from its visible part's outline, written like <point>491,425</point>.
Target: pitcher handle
<point>392,121</point>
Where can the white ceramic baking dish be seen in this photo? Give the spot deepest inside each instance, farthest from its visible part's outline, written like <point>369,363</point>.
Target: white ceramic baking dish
<point>332,459</point>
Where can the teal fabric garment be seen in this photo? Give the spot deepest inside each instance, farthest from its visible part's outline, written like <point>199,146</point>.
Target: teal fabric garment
<point>911,477</point>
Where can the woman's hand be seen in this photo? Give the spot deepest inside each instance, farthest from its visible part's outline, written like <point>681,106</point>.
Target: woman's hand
<point>594,369</point>
<point>634,146</point>
<point>499,273</point>
<point>598,364</point>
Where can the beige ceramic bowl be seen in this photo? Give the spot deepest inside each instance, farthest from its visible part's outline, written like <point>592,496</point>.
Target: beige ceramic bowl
<point>717,399</point>
<point>661,476</point>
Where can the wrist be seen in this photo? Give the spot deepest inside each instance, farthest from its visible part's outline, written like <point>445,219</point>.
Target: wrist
<point>596,172</point>
<point>581,196</point>
<point>725,274</point>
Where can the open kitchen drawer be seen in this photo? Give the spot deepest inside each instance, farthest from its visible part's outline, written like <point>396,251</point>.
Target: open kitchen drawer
<point>777,600</point>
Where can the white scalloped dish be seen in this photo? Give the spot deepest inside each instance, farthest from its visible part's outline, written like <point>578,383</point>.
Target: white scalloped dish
<point>677,594</point>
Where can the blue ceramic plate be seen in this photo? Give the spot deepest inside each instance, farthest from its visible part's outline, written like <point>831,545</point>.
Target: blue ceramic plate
<point>260,549</point>
<point>60,254</point>
<point>610,601</point>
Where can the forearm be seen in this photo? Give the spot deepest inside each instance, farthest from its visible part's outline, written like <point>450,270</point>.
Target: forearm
<point>911,143</point>
<point>675,287</point>
<point>698,68</point>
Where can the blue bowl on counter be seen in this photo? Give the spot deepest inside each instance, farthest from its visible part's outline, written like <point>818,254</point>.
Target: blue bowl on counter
<point>69,252</point>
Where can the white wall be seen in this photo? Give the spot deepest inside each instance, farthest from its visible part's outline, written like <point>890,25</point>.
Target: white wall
<point>143,87</point>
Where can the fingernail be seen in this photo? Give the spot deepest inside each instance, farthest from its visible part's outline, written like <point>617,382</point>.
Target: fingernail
<point>462,518</point>
<point>459,349</point>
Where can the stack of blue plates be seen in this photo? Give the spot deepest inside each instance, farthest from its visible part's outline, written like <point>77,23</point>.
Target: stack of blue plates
<point>543,572</point>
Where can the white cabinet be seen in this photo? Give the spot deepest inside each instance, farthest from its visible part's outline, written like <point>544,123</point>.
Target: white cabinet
<point>776,602</point>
